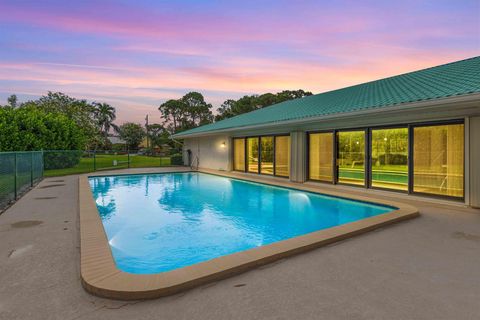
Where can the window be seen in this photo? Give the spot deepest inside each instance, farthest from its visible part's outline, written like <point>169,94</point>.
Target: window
<point>438,159</point>
<point>351,157</point>
<point>252,154</point>
<point>266,158</point>
<point>282,156</point>
<point>320,156</point>
<point>389,158</point>
<point>239,154</point>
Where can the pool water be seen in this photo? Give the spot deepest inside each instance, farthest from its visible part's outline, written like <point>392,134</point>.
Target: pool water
<point>160,222</point>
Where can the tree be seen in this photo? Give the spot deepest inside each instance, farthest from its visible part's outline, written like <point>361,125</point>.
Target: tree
<point>132,133</point>
<point>197,111</point>
<point>80,111</point>
<point>231,108</point>
<point>158,135</point>
<point>105,115</point>
<point>185,113</point>
<point>172,111</point>
<point>12,101</point>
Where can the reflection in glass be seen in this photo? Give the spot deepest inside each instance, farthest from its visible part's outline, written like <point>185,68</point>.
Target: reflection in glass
<point>252,154</point>
<point>239,154</point>
<point>438,159</point>
<point>266,149</point>
<point>320,156</point>
<point>282,156</point>
<point>390,158</point>
<point>351,157</point>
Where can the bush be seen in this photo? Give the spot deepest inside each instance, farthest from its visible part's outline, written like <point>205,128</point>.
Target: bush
<point>394,158</point>
<point>30,129</point>
<point>176,159</point>
<point>61,159</point>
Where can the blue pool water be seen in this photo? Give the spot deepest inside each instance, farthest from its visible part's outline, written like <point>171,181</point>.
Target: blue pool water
<point>160,222</point>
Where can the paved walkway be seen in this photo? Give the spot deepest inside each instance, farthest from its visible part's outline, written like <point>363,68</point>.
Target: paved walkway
<point>425,268</point>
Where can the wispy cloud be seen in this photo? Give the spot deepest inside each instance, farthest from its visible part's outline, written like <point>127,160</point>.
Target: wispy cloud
<point>136,54</point>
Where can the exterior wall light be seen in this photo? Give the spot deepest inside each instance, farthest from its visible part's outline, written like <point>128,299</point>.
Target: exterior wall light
<point>223,144</point>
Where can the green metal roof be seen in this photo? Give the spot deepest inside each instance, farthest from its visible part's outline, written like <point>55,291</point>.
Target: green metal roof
<point>452,79</point>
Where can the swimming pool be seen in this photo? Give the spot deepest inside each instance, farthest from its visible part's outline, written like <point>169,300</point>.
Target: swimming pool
<point>161,222</point>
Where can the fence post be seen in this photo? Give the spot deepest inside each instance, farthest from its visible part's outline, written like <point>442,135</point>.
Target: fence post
<point>128,158</point>
<point>15,176</point>
<point>94,160</point>
<point>31,169</point>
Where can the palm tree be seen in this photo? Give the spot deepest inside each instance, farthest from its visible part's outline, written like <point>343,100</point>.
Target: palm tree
<point>105,115</point>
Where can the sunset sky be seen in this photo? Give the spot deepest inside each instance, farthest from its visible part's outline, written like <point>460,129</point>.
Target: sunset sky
<point>136,54</point>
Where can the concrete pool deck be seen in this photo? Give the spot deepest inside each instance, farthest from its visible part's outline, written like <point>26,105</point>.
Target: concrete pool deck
<point>426,268</point>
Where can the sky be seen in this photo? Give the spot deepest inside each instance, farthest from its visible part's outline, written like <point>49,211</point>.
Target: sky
<point>137,54</point>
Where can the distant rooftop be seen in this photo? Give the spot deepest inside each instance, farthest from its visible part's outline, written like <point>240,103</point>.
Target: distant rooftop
<point>451,79</point>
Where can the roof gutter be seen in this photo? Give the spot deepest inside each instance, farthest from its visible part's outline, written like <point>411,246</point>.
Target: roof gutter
<point>399,107</point>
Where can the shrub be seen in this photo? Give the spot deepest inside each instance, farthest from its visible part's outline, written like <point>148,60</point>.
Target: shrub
<point>29,129</point>
<point>176,159</point>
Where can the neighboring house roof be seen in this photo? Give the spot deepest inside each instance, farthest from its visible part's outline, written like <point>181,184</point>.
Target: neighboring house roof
<point>452,79</point>
<point>115,140</point>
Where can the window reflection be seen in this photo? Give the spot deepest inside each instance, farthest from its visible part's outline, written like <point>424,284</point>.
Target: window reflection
<point>252,154</point>
<point>321,156</point>
<point>282,156</point>
<point>351,157</point>
<point>266,148</point>
<point>389,158</point>
<point>239,154</point>
<point>438,159</point>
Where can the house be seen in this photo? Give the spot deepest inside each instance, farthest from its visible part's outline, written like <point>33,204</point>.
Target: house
<point>416,133</point>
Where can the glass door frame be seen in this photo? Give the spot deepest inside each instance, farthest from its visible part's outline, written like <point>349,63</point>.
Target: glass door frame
<point>368,151</point>
<point>411,156</point>
<point>370,163</point>
<point>334,151</point>
<point>259,137</point>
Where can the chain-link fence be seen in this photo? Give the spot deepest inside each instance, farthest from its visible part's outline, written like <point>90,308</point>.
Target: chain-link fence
<point>19,171</point>
<point>58,163</point>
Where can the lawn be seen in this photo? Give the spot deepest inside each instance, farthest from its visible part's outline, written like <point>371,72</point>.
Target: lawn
<point>110,162</point>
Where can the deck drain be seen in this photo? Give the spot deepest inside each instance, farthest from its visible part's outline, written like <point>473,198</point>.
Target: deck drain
<point>240,285</point>
<point>26,224</point>
<point>45,198</point>
<point>56,181</point>
<point>52,185</point>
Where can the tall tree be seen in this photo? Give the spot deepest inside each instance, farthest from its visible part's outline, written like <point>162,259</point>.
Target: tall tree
<point>198,112</point>
<point>132,133</point>
<point>172,112</point>
<point>185,113</point>
<point>105,114</point>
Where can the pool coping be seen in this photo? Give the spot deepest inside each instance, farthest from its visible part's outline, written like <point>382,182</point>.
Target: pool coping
<point>100,276</point>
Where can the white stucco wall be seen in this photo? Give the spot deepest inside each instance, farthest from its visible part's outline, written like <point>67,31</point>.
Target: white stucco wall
<point>210,151</point>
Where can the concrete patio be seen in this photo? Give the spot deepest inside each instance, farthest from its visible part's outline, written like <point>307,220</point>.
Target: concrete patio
<point>425,268</point>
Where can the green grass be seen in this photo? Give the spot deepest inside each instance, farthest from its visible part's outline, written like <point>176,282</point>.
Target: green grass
<point>106,162</point>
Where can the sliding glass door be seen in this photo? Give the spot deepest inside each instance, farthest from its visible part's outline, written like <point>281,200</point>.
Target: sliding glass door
<point>418,158</point>
<point>438,159</point>
<point>389,158</point>
<point>239,154</point>
<point>282,156</point>
<point>266,155</point>
<point>351,157</point>
<point>253,154</point>
<point>320,160</point>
